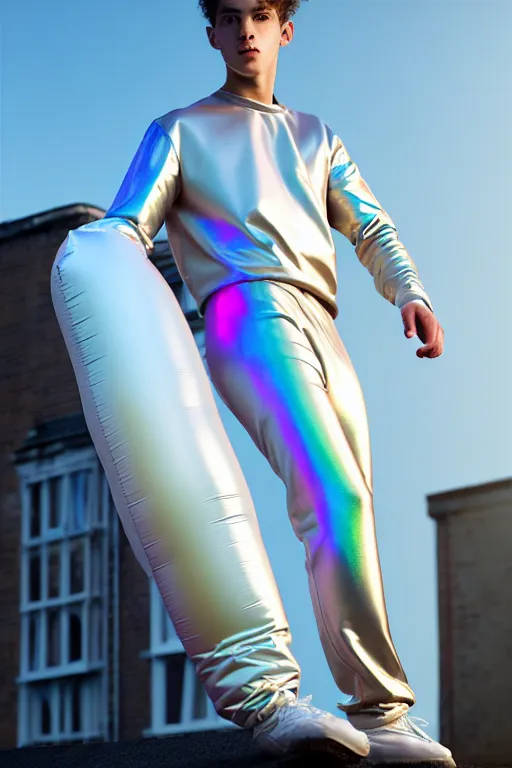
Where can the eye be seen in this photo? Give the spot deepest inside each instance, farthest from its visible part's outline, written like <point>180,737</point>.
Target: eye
<point>263,16</point>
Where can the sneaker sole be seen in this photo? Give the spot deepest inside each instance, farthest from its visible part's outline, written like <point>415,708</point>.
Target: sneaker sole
<point>442,763</point>
<point>311,747</point>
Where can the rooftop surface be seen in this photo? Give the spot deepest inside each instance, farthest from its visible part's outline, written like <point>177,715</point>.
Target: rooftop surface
<point>213,749</point>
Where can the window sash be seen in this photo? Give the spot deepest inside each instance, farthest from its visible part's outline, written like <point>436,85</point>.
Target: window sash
<point>60,538</point>
<point>72,707</point>
<point>72,475</point>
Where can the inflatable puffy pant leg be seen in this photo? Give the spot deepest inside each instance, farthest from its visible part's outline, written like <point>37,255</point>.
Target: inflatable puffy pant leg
<point>175,481</point>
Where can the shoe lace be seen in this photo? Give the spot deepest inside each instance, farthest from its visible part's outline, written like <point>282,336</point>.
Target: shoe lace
<point>419,721</point>
<point>415,722</point>
<point>305,703</point>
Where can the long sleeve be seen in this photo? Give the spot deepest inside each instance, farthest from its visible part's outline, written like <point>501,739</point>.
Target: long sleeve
<point>150,186</point>
<point>354,211</point>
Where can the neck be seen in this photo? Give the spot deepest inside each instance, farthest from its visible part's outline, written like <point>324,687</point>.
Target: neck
<point>260,89</point>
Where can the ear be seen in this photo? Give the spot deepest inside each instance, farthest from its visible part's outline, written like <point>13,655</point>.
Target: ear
<point>213,38</point>
<point>287,33</point>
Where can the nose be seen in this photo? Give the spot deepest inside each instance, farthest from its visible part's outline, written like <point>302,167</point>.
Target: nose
<point>246,33</point>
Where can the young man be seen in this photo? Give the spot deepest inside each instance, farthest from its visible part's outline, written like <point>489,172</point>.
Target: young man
<point>249,190</point>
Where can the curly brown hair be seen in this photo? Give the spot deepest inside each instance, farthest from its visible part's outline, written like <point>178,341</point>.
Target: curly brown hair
<point>285,9</point>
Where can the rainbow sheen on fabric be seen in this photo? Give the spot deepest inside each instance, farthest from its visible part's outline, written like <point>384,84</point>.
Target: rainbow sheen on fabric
<point>250,191</point>
<point>277,361</point>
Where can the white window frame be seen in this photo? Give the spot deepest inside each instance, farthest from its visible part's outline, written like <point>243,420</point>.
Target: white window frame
<point>93,674</point>
<point>160,651</point>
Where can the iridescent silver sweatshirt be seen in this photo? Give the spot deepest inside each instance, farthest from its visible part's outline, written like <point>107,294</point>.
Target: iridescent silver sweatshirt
<point>250,191</point>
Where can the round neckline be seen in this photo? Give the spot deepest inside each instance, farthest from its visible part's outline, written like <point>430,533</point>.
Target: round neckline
<point>243,101</point>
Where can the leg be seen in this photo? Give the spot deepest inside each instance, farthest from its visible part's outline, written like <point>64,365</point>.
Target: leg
<point>394,737</point>
<point>265,360</point>
<point>174,478</point>
<point>346,397</point>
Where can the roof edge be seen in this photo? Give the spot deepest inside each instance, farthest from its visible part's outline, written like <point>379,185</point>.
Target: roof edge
<point>16,227</point>
<point>469,497</point>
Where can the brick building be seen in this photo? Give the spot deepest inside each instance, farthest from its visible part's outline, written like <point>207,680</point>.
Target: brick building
<point>86,650</point>
<point>474,550</point>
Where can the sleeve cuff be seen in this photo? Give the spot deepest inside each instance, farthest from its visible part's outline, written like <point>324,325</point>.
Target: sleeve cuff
<point>408,299</point>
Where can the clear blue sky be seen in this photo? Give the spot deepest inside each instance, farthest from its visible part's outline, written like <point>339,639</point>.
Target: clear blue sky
<point>419,90</point>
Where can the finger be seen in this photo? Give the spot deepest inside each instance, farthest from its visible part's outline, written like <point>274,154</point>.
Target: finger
<point>439,345</point>
<point>439,342</point>
<point>435,348</point>
<point>430,338</point>
<point>431,329</point>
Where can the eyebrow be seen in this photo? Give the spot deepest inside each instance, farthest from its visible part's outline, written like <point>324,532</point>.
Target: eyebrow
<point>227,9</point>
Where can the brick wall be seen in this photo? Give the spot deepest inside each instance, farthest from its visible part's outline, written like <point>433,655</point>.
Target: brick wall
<point>37,384</point>
<point>134,680</point>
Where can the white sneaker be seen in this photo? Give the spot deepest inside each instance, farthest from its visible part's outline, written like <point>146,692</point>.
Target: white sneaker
<point>395,738</point>
<point>296,726</point>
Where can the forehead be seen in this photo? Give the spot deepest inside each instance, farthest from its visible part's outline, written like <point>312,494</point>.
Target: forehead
<point>239,6</point>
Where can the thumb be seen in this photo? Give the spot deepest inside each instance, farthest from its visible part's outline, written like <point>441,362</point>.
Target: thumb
<point>409,325</point>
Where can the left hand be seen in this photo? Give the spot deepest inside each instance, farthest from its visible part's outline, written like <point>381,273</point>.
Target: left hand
<point>420,321</point>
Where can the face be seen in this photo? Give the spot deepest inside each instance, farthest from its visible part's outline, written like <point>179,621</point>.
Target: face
<point>248,23</point>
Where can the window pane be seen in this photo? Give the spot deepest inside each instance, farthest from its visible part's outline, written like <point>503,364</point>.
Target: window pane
<point>63,708</point>
<point>95,703</point>
<point>174,673</point>
<point>34,640</point>
<point>169,633</point>
<point>76,708</point>
<point>54,570</point>
<point>35,510</point>
<point>98,501</point>
<point>95,492</point>
<point>96,639</point>
<point>79,497</point>
<point>43,696</point>
<point>53,637</point>
<point>76,566</point>
<point>75,633</point>
<point>200,701</point>
<point>162,624</point>
<point>96,565</point>
<point>34,592</point>
<point>55,512</point>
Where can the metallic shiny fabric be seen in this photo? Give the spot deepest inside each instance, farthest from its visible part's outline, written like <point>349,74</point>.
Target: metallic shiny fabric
<point>175,481</point>
<point>250,191</point>
<point>276,359</point>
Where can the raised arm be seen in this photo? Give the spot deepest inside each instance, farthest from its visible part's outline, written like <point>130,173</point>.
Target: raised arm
<point>150,186</point>
<point>354,211</point>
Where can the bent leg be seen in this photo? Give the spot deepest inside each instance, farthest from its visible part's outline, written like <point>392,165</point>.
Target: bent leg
<point>177,486</point>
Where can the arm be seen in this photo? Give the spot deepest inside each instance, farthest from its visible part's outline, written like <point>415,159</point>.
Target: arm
<point>150,186</point>
<point>353,210</point>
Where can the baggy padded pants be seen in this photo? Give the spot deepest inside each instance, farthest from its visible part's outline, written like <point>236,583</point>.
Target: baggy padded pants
<point>175,481</point>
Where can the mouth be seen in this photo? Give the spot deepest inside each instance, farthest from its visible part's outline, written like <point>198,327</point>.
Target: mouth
<point>247,51</point>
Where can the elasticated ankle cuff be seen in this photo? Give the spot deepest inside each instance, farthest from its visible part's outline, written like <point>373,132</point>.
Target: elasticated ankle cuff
<point>376,717</point>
